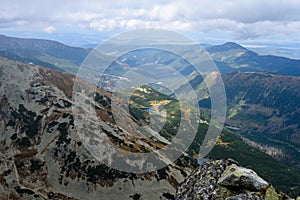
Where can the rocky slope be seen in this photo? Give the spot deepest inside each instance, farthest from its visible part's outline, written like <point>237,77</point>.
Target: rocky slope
<point>41,155</point>
<point>226,179</point>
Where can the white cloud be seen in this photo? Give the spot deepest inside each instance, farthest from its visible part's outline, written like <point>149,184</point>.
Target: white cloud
<point>242,19</point>
<point>49,29</point>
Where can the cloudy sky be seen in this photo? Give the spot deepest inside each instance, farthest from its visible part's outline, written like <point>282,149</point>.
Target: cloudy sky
<point>213,21</point>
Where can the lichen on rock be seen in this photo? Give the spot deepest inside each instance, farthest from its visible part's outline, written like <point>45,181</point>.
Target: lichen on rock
<point>236,176</point>
<point>226,179</point>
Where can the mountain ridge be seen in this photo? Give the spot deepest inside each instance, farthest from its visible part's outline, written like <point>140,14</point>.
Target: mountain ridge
<point>264,108</point>
<point>225,47</point>
<point>229,57</point>
<point>49,53</point>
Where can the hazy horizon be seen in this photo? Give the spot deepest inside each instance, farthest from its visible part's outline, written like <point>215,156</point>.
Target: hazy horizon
<point>264,25</point>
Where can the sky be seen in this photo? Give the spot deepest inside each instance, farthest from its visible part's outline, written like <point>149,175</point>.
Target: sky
<point>255,23</point>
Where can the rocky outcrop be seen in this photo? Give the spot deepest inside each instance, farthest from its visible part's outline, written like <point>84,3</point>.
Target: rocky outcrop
<point>226,179</point>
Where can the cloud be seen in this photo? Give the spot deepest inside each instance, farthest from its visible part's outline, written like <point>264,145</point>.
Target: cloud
<point>49,29</point>
<point>242,19</point>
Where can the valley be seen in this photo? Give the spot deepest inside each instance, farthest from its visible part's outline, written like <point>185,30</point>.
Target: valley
<point>48,159</point>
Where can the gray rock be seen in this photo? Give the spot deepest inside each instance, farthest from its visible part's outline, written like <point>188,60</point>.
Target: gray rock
<point>225,179</point>
<point>202,183</point>
<point>248,196</point>
<point>236,176</point>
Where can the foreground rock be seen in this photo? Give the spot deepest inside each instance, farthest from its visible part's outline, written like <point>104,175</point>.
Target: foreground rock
<point>225,179</point>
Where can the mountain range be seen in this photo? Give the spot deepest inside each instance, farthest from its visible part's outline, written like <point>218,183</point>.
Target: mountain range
<point>229,57</point>
<point>47,159</point>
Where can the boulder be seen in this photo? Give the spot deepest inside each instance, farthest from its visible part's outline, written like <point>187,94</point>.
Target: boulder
<point>236,176</point>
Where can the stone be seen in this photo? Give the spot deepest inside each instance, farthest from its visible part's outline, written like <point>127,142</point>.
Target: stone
<point>271,194</point>
<point>202,182</point>
<point>236,176</point>
<point>248,196</point>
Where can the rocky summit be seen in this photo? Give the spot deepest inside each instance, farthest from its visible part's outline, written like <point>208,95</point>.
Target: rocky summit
<point>226,179</point>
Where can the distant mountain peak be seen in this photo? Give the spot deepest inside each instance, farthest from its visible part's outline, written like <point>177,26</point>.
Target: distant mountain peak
<point>228,46</point>
<point>232,45</point>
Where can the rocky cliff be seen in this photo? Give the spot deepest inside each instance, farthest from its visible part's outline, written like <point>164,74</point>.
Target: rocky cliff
<point>226,179</point>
